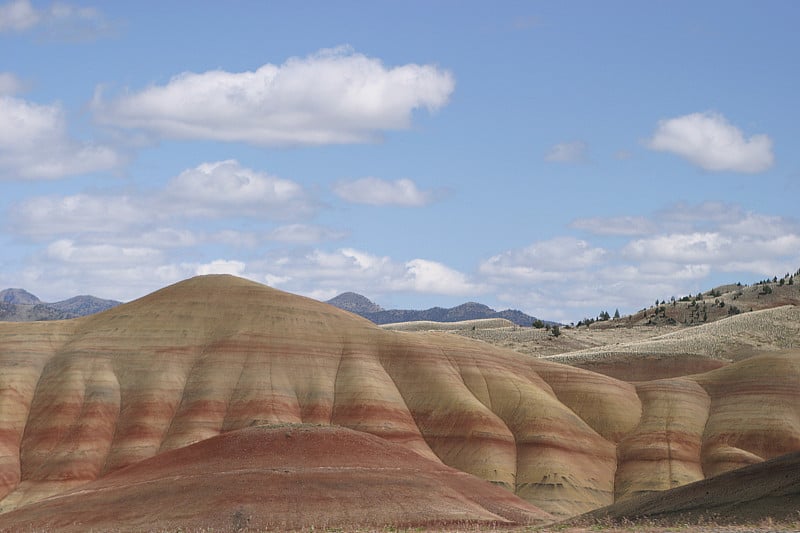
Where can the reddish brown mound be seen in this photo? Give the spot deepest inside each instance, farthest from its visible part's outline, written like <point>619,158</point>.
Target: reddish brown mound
<point>768,490</point>
<point>279,478</point>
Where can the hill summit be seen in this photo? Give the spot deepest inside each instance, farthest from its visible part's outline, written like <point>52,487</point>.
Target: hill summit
<point>18,296</point>
<point>355,303</point>
<point>18,305</point>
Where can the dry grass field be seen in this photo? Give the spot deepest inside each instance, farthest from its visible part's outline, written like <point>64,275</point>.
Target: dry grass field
<point>732,338</point>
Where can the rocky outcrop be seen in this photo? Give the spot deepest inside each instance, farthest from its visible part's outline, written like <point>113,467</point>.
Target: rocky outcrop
<point>85,399</point>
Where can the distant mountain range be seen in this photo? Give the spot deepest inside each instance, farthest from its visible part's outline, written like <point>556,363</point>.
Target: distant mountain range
<point>18,305</point>
<point>363,306</point>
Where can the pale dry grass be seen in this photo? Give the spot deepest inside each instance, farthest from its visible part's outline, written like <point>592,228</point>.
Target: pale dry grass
<point>759,331</point>
<point>731,338</point>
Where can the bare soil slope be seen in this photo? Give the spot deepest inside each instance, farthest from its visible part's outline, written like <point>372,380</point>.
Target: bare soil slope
<point>279,478</point>
<point>747,495</point>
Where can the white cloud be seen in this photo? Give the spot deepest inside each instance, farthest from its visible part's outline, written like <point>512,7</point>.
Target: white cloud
<point>683,248</point>
<point>227,188</point>
<point>567,152</point>
<point>25,128</point>
<point>209,191</point>
<point>557,259</point>
<point>719,249</point>
<point>69,252</point>
<point>18,15</point>
<point>321,272</point>
<point>59,20</point>
<point>79,213</point>
<point>709,141</point>
<point>375,191</point>
<point>433,277</point>
<point>331,97</point>
<point>221,266</point>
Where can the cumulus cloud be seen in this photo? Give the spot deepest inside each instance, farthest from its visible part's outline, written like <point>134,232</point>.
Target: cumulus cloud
<point>433,277</point>
<point>685,248</point>
<point>375,191</point>
<point>551,260</point>
<point>709,141</point>
<point>680,248</point>
<point>331,97</point>
<point>221,266</point>
<point>26,127</point>
<point>728,239</point>
<point>228,188</point>
<point>567,152</point>
<point>210,192</point>
<point>78,213</point>
<point>322,272</point>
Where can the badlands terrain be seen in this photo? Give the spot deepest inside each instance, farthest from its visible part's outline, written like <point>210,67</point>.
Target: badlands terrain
<point>221,404</point>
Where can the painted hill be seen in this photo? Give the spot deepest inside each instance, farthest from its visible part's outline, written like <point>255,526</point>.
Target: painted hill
<point>18,305</point>
<point>363,306</point>
<point>86,402</point>
<point>255,479</point>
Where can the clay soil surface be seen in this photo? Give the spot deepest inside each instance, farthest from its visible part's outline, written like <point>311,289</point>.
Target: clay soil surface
<point>284,478</point>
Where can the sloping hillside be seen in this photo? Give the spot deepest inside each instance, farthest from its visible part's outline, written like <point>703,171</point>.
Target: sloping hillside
<point>753,494</point>
<point>255,478</point>
<point>87,398</point>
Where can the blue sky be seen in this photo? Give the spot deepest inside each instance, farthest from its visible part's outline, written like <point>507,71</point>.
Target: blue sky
<point>561,158</point>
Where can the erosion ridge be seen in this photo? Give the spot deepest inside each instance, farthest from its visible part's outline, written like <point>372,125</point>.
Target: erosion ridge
<point>84,399</point>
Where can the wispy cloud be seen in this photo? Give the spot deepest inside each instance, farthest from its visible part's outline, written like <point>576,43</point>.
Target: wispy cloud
<point>10,84</point>
<point>59,20</point>
<point>709,141</point>
<point>18,15</point>
<point>376,191</point>
<point>332,97</point>
<point>304,234</point>
<point>567,152</point>
<point>218,190</point>
<point>621,225</point>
